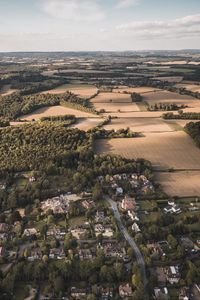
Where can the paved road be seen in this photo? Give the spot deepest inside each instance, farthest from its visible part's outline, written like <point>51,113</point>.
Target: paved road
<point>129,239</point>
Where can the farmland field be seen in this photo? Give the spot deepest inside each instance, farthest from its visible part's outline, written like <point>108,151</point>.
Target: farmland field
<point>140,90</point>
<point>82,90</point>
<point>190,87</point>
<point>114,102</point>
<point>169,97</point>
<point>135,114</point>
<point>139,124</point>
<point>112,98</point>
<point>184,183</point>
<point>170,78</point>
<point>165,150</point>
<point>6,90</point>
<point>87,123</point>
<point>55,111</point>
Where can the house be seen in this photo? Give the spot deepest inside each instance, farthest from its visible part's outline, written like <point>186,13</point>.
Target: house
<point>119,191</point>
<point>30,232</point>
<point>35,254</point>
<point>125,290</point>
<point>100,216</point>
<point>101,179</point>
<point>134,177</point>
<point>187,243</point>
<point>129,203</point>
<point>87,254</point>
<point>147,188</point>
<point>2,251</point>
<point>99,229</point>
<point>117,177</point>
<point>78,293</point>
<point>133,215</point>
<point>4,227</point>
<point>57,253</point>
<point>114,249</point>
<point>171,203</point>
<point>88,204</point>
<point>173,274</point>
<point>32,179</point>
<point>184,293</point>
<point>161,293</point>
<point>106,293</point>
<point>156,250</point>
<point>108,232</point>
<point>3,237</point>
<point>172,209</point>
<point>2,186</point>
<point>59,233</point>
<point>78,232</point>
<point>161,275</point>
<point>136,228</point>
<point>59,205</point>
<point>124,176</point>
<point>134,183</point>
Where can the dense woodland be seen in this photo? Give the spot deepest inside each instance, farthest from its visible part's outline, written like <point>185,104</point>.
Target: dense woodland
<point>165,107</point>
<point>182,116</point>
<point>136,97</point>
<point>66,119</point>
<point>4,122</point>
<point>15,105</point>
<point>100,133</point>
<point>50,149</point>
<point>193,129</point>
<point>30,147</point>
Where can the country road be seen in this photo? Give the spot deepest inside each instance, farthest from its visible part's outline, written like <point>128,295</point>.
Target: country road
<point>129,239</point>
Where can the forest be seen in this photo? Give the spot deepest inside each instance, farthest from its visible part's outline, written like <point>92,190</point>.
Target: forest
<point>193,129</point>
<point>16,105</point>
<point>182,116</point>
<point>66,119</point>
<point>28,147</point>
<point>165,107</point>
<point>51,150</point>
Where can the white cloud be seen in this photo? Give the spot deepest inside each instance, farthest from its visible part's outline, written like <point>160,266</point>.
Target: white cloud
<point>75,10</point>
<point>126,3</point>
<point>182,27</point>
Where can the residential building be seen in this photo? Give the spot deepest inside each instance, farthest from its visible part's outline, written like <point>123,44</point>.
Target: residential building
<point>136,228</point>
<point>173,274</point>
<point>78,293</point>
<point>129,203</point>
<point>125,290</point>
<point>30,232</point>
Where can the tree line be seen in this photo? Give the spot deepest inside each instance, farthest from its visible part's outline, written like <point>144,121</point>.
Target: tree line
<point>15,105</point>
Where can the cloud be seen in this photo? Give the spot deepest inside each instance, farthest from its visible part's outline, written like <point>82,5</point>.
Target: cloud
<point>74,10</point>
<point>126,3</point>
<point>181,27</point>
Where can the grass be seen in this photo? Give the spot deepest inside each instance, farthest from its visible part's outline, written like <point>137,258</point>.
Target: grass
<point>21,183</point>
<point>77,221</point>
<point>148,205</point>
<point>143,106</point>
<point>175,126</point>
<point>151,218</point>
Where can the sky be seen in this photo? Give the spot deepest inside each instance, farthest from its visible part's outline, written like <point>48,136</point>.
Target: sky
<point>94,25</point>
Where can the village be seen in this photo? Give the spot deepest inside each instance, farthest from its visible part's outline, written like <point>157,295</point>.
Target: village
<point>76,227</point>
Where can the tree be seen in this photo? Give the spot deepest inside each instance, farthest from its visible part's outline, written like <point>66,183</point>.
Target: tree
<point>172,241</point>
<point>45,259</point>
<point>91,297</point>
<point>43,230</point>
<point>97,192</point>
<point>119,271</point>
<point>58,284</point>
